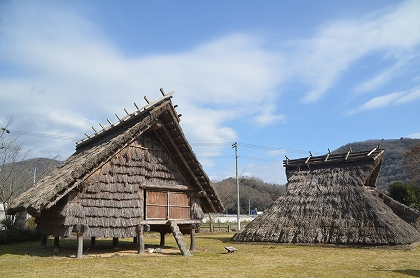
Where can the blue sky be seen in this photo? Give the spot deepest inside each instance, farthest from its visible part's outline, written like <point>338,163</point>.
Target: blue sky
<point>278,77</point>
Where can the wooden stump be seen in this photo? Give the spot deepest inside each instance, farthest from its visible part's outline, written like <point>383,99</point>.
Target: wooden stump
<point>140,237</point>
<point>192,238</point>
<point>44,241</point>
<point>56,244</point>
<point>115,243</point>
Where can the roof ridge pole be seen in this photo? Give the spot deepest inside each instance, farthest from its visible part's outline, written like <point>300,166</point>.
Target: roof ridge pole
<point>348,153</point>
<point>309,157</point>
<point>374,149</point>
<point>235,146</point>
<point>162,91</point>
<point>328,155</point>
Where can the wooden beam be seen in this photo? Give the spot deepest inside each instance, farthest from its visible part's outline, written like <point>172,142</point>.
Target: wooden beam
<point>166,186</point>
<point>175,146</point>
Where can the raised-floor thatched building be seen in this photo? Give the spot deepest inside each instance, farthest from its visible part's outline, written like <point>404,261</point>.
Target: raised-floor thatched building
<point>137,174</point>
<point>333,199</point>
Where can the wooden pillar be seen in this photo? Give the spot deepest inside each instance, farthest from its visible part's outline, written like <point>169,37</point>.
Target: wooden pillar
<point>140,237</point>
<point>192,237</point>
<point>162,238</point>
<point>80,229</point>
<point>92,241</point>
<point>79,245</point>
<point>56,244</point>
<point>115,243</point>
<point>44,241</point>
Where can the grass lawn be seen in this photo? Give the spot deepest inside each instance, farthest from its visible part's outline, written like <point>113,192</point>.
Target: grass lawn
<point>209,260</point>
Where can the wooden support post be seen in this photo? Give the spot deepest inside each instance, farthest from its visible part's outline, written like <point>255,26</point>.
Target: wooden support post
<point>80,229</point>
<point>79,245</point>
<point>192,245</point>
<point>140,237</point>
<point>115,243</point>
<point>134,239</point>
<point>162,238</point>
<point>92,241</point>
<point>56,244</point>
<point>44,241</point>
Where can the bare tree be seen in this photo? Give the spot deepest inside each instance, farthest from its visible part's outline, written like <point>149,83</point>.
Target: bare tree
<point>11,152</point>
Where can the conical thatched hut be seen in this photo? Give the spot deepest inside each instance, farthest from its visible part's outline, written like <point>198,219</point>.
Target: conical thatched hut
<point>137,174</point>
<point>331,199</point>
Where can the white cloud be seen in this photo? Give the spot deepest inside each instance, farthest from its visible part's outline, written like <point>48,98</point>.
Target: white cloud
<point>376,82</point>
<point>377,102</point>
<point>414,135</point>
<point>277,152</point>
<point>68,64</point>
<point>322,59</point>
<point>382,101</point>
<point>268,117</point>
<point>389,99</point>
<point>410,96</point>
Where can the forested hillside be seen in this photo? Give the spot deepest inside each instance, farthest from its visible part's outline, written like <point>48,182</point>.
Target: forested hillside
<point>28,171</point>
<point>392,168</point>
<point>254,194</point>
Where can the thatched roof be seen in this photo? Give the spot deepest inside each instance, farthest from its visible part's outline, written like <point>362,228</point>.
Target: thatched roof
<point>331,199</point>
<point>160,119</point>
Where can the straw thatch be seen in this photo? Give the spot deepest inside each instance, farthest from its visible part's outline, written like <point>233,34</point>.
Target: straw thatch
<point>331,199</point>
<point>103,185</point>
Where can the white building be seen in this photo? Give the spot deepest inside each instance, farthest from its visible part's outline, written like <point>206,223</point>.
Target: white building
<point>2,215</point>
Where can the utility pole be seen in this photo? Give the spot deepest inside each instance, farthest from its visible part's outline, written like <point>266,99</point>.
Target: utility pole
<point>34,176</point>
<point>235,145</point>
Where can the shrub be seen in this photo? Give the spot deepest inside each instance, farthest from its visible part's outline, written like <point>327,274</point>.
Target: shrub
<point>406,193</point>
<point>18,235</point>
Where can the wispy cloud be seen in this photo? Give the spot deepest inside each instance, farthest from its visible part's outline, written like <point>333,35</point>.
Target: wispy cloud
<point>376,82</point>
<point>268,117</point>
<point>388,99</point>
<point>323,58</point>
<point>67,63</point>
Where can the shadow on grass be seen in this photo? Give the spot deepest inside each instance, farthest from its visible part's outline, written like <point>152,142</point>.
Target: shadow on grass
<point>409,272</point>
<point>218,238</point>
<point>68,248</point>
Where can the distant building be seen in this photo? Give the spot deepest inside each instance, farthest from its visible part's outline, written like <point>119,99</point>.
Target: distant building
<point>2,215</point>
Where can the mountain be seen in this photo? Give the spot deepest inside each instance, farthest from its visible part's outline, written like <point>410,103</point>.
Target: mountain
<point>29,171</point>
<point>256,192</point>
<point>392,169</point>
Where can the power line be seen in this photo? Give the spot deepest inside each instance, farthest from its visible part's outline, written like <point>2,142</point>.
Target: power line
<point>253,146</point>
<point>202,144</point>
<point>44,135</point>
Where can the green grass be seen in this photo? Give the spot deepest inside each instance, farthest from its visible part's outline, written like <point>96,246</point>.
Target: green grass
<point>209,260</point>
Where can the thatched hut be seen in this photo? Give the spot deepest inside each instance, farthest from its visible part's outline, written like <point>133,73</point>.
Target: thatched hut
<point>332,199</point>
<point>137,174</point>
